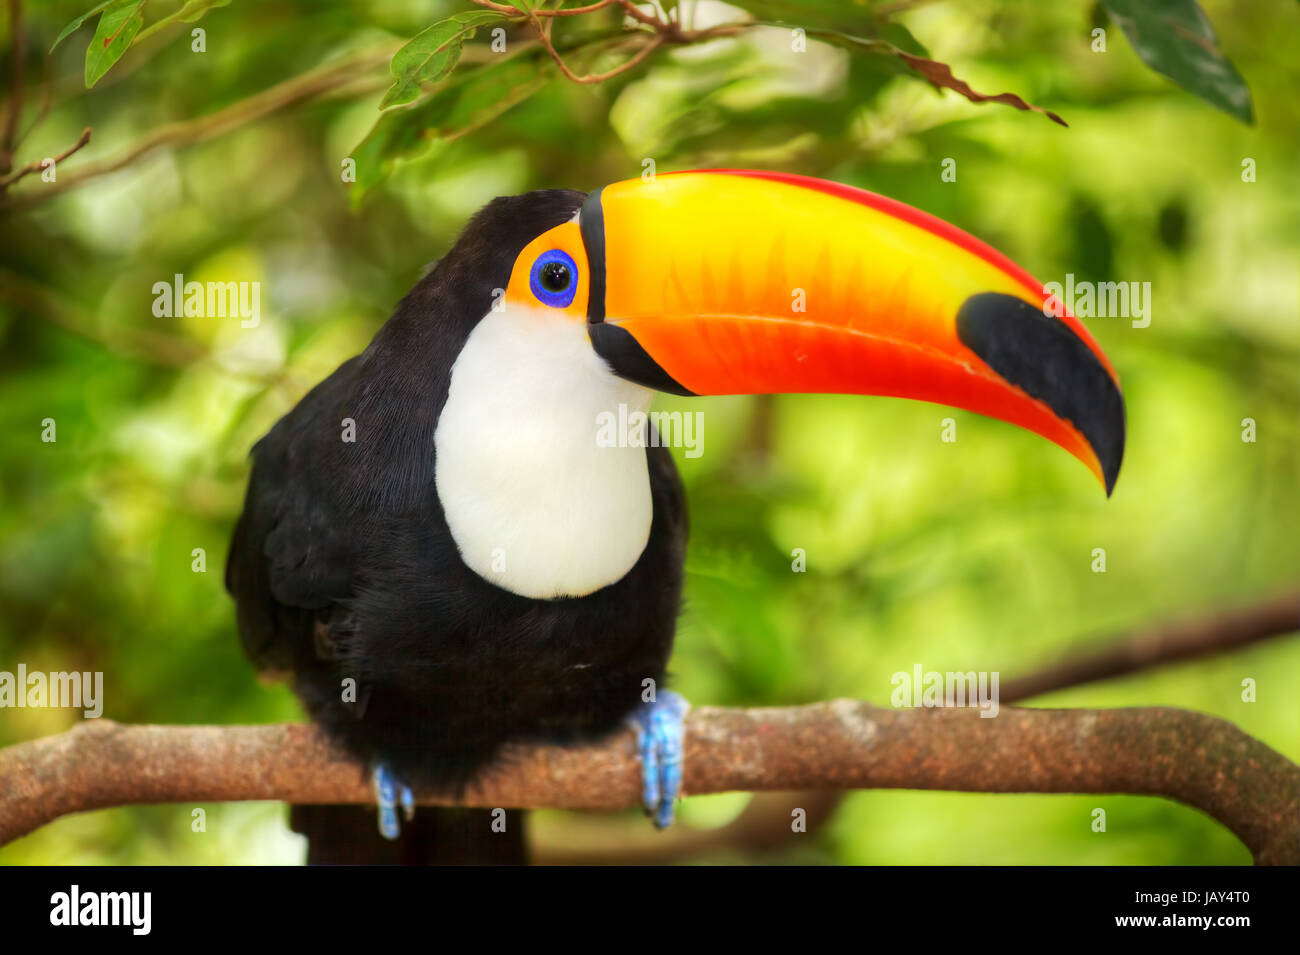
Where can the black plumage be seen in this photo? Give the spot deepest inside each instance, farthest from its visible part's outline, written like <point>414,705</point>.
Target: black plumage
<point>342,565</point>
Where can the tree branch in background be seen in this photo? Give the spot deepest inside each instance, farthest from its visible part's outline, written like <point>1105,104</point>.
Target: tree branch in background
<point>652,44</point>
<point>665,30</point>
<point>318,82</point>
<point>38,164</point>
<point>510,11</point>
<point>9,139</point>
<point>843,744</point>
<point>764,826</point>
<point>155,348</point>
<point>1163,643</point>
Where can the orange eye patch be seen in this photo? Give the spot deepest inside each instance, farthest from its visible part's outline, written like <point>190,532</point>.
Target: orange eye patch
<point>551,272</point>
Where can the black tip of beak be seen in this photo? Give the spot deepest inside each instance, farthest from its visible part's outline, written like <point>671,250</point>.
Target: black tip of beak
<point>1041,355</point>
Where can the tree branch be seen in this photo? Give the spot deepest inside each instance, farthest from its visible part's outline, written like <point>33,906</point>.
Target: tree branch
<point>9,138</point>
<point>510,11</point>
<point>1189,757</point>
<point>592,78</point>
<point>299,89</point>
<point>1163,643</point>
<point>132,344</point>
<point>37,165</point>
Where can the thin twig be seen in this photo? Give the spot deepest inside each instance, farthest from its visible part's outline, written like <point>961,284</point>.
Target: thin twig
<point>37,165</point>
<point>560,12</point>
<point>156,348</point>
<point>591,78</point>
<point>637,14</point>
<point>665,31</point>
<point>544,37</point>
<point>127,342</point>
<point>1163,643</point>
<point>10,140</point>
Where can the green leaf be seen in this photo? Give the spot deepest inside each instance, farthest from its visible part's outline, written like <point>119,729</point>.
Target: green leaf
<point>432,54</point>
<point>190,13</point>
<point>118,25</point>
<point>1174,37</point>
<point>833,15</point>
<point>462,106</point>
<point>939,74</point>
<point>868,33</point>
<point>72,27</point>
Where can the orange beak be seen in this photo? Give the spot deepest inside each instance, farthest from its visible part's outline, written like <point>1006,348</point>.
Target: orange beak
<point>735,282</point>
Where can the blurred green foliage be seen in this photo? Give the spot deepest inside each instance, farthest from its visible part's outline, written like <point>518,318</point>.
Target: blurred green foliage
<point>966,555</point>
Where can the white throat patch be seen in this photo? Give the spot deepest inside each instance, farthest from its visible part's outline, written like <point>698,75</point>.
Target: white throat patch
<point>534,504</point>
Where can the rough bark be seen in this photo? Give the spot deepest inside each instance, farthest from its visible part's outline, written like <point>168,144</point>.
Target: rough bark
<point>842,744</point>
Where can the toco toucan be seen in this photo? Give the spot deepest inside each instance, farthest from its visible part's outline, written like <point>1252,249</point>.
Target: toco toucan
<point>469,566</point>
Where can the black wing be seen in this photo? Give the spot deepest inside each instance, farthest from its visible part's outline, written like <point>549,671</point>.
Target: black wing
<point>291,559</point>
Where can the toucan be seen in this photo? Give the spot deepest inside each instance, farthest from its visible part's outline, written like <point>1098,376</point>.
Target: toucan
<point>445,559</point>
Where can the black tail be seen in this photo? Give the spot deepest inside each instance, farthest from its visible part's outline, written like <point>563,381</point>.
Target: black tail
<point>349,835</point>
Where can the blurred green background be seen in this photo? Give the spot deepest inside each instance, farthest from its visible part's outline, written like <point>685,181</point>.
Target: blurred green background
<point>968,555</point>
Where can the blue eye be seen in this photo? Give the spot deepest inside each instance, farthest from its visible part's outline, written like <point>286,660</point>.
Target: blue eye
<point>554,279</point>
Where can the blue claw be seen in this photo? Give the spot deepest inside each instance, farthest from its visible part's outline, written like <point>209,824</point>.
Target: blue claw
<point>660,727</point>
<point>408,803</point>
<point>388,792</point>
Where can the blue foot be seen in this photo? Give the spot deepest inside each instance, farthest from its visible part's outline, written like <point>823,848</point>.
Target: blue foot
<point>388,792</point>
<point>660,727</point>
